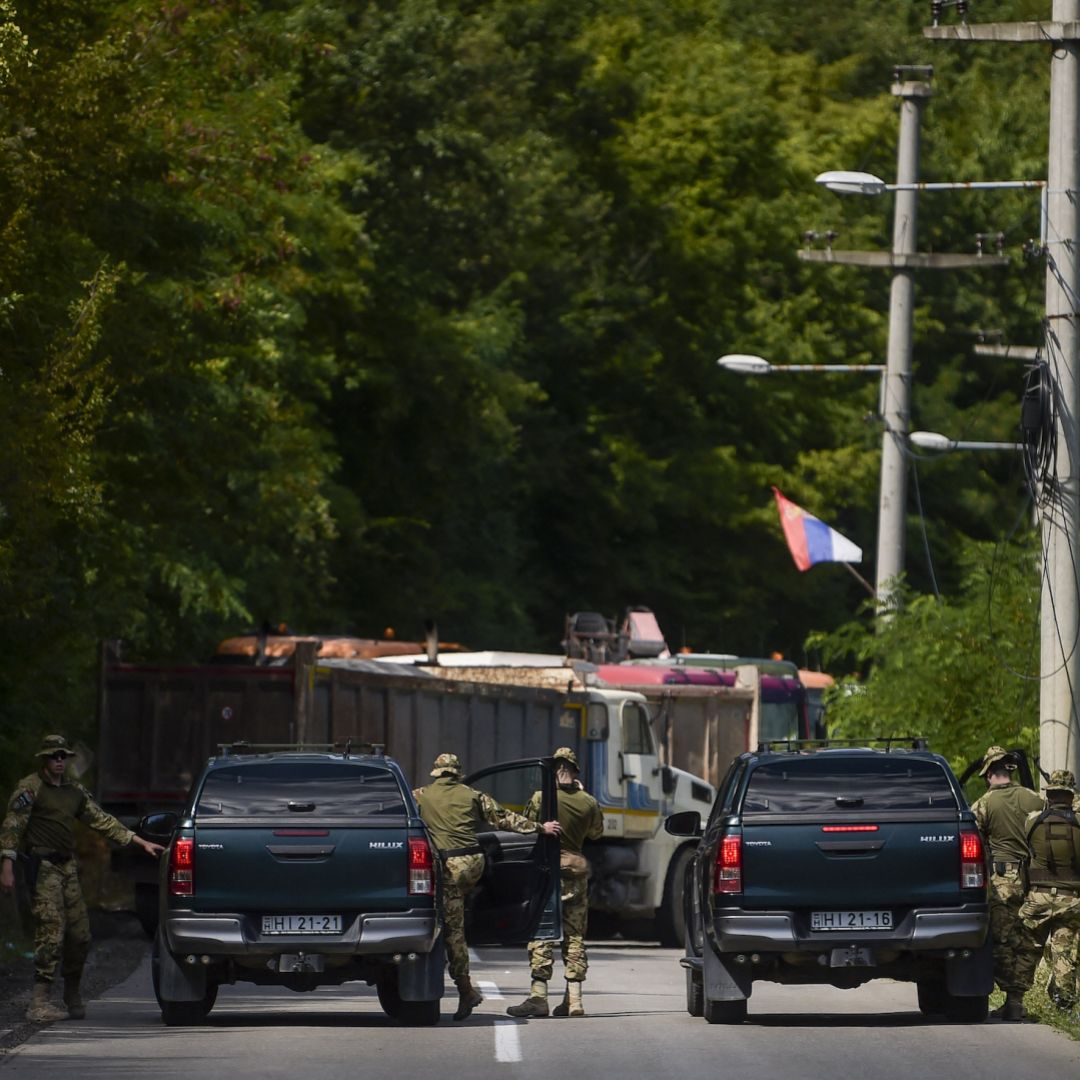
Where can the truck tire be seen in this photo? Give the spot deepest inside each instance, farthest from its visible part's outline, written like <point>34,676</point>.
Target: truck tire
<point>389,996</point>
<point>725,1012</point>
<point>419,1013</point>
<point>695,993</point>
<point>671,918</point>
<point>967,1010</point>
<point>179,1013</point>
<point>932,995</point>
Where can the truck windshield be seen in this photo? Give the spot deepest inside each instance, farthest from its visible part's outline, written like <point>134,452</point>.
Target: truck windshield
<point>865,784</point>
<point>299,791</point>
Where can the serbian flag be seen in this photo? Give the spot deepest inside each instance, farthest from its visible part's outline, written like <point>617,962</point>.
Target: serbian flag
<point>812,541</point>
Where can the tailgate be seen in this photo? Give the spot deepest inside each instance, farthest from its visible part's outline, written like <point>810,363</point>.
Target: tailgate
<point>900,864</point>
<point>260,869</point>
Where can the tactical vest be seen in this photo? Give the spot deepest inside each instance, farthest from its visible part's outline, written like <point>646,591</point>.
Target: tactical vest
<point>1054,843</point>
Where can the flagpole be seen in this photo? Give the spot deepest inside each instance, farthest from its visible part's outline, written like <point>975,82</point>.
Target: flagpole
<point>860,579</point>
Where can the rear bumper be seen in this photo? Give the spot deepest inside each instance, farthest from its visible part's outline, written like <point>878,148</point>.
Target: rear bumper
<point>229,934</point>
<point>737,930</point>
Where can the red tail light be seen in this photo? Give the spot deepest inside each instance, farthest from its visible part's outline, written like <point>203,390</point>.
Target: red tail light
<point>421,869</point>
<point>728,877</point>
<point>972,866</point>
<point>849,828</point>
<point>182,868</point>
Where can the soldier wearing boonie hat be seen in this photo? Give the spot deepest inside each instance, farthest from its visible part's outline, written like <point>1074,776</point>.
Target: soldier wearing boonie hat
<point>454,813</point>
<point>1051,910</point>
<point>581,819</point>
<point>40,827</point>
<point>1000,815</point>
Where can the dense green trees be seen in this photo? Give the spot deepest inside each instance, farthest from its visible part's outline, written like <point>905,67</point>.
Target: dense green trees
<point>352,315</point>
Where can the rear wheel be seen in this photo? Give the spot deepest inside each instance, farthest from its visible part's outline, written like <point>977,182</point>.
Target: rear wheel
<point>967,1010</point>
<point>671,918</point>
<point>695,993</point>
<point>179,1013</point>
<point>419,1013</point>
<point>932,995</point>
<point>389,998</point>
<point>725,1012</point>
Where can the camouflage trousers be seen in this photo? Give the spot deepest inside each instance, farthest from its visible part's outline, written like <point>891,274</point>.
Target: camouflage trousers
<point>1012,941</point>
<point>460,875</point>
<point>575,917</point>
<point>1054,924</point>
<point>62,927</point>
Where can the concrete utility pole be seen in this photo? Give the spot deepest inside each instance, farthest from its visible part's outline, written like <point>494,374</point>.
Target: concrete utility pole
<point>1059,661</point>
<point>903,260</point>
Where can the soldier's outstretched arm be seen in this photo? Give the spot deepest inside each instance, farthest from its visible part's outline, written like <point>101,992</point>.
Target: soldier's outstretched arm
<point>91,814</point>
<point>502,818</point>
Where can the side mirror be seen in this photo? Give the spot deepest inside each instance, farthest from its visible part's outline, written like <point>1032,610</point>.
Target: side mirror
<point>157,828</point>
<point>668,780</point>
<point>686,823</point>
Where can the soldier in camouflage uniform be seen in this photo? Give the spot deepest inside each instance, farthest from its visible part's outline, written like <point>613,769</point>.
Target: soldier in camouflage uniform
<point>1000,815</point>
<point>1051,909</point>
<point>581,820</point>
<point>454,813</point>
<point>39,825</point>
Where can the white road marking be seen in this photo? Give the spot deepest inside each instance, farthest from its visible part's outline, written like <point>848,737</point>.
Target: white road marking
<point>507,1043</point>
<point>507,1040</point>
<point>473,957</point>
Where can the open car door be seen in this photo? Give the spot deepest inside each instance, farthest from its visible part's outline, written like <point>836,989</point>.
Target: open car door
<point>517,899</point>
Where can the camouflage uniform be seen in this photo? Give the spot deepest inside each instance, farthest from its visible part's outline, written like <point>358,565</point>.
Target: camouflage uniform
<point>1000,815</point>
<point>39,823</point>
<point>581,820</point>
<point>1051,910</point>
<point>454,813</point>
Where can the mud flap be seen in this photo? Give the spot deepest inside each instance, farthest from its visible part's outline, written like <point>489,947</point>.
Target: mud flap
<point>177,982</point>
<point>421,979</point>
<point>725,980</point>
<point>971,976</point>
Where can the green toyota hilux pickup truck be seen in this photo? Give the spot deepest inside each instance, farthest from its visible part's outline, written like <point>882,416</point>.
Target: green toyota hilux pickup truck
<point>304,869</point>
<point>834,866</point>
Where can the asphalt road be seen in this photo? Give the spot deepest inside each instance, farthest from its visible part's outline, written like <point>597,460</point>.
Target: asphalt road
<point>637,1027</point>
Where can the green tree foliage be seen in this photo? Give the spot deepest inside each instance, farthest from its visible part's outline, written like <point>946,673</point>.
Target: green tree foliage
<point>962,671</point>
<point>350,315</point>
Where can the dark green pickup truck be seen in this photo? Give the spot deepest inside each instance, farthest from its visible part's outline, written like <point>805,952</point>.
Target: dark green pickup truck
<point>837,866</point>
<point>303,869</point>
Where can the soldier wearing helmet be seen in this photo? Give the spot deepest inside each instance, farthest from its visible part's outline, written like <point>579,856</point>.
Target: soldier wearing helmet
<point>454,813</point>
<point>581,820</point>
<point>40,827</point>
<point>1051,909</point>
<point>1001,814</point>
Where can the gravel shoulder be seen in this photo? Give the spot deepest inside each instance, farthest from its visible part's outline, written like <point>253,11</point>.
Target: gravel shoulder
<point>119,946</point>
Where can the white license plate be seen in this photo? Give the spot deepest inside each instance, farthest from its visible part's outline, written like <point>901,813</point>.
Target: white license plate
<point>301,924</point>
<point>851,920</point>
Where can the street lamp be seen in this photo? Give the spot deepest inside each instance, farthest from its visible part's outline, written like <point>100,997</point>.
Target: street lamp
<point>748,364</point>
<point>934,440</point>
<point>862,183</point>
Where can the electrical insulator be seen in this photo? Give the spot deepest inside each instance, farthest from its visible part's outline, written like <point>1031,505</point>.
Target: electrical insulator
<point>935,10</point>
<point>961,9</point>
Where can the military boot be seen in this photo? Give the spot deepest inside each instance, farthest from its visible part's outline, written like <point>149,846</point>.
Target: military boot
<point>468,997</point>
<point>571,1002</point>
<point>73,998</point>
<point>1013,1010</point>
<point>535,1005</point>
<point>42,1010</point>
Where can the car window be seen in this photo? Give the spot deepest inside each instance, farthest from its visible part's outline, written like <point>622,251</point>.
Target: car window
<point>300,790</point>
<point>823,785</point>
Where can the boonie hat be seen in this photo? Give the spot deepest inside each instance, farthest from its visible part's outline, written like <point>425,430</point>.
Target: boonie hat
<point>447,765</point>
<point>54,744</point>
<point>995,755</point>
<point>564,753</point>
<point>1061,780</point>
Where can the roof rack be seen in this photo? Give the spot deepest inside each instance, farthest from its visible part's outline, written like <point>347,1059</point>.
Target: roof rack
<point>888,743</point>
<point>345,746</point>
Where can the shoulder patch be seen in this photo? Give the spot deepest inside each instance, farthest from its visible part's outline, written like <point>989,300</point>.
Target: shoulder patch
<point>23,800</point>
